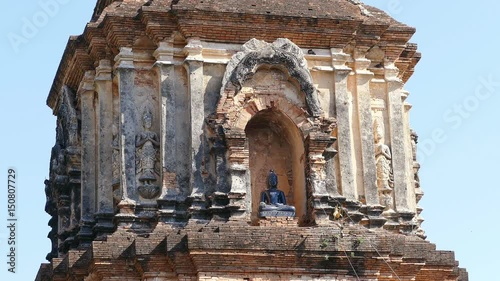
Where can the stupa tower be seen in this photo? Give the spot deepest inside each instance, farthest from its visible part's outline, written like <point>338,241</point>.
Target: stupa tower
<point>237,140</point>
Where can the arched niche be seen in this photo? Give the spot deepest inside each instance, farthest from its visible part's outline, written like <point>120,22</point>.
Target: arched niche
<point>267,89</point>
<point>275,142</point>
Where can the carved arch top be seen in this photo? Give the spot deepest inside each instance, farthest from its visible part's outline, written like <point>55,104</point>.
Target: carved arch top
<point>282,52</point>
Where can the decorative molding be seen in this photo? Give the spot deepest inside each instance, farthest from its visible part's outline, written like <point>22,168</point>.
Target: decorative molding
<point>283,53</point>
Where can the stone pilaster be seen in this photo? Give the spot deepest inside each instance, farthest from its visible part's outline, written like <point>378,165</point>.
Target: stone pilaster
<point>86,93</point>
<point>365,118</point>
<point>345,138</point>
<point>409,153</point>
<point>194,66</point>
<point>412,225</point>
<point>330,173</point>
<point>104,90</point>
<point>319,199</point>
<point>168,202</point>
<point>399,153</point>
<point>165,67</point>
<point>128,120</point>
<point>240,196</point>
<point>330,153</point>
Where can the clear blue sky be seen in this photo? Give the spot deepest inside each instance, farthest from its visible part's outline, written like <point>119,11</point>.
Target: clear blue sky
<point>455,92</point>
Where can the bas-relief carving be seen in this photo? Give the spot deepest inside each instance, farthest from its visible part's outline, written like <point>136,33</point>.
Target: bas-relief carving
<point>64,178</point>
<point>416,165</point>
<point>418,191</point>
<point>383,160</point>
<point>148,144</point>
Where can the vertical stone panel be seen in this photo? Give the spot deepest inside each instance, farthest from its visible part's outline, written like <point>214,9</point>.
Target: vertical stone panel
<point>399,153</point>
<point>166,75</point>
<point>183,129</point>
<point>326,90</point>
<point>214,154</point>
<point>409,156</point>
<point>410,225</point>
<point>104,89</point>
<point>88,134</point>
<point>365,118</point>
<point>173,139</point>
<point>194,66</point>
<point>343,106</point>
<point>128,121</point>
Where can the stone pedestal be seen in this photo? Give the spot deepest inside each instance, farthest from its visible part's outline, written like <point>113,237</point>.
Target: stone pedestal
<point>278,222</point>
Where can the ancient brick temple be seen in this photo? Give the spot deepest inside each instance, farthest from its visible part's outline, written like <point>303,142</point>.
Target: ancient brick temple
<point>170,115</point>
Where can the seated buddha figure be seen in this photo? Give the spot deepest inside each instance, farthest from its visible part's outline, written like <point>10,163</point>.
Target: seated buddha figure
<point>273,200</point>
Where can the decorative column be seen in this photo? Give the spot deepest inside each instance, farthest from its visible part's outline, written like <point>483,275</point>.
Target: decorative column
<point>363,78</point>
<point>89,158</point>
<point>319,204</point>
<point>240,197</point>
<point>104,89</point>
<point>194,66</point>
<point>399,153</point>
<point>411,225</point>
<point>168,202</point>
<point>343,101</point>
<point>128,120</point>
<point>335,198</point>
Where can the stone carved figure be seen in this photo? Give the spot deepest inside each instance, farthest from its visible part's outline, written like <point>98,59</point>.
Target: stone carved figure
<point>416,165</point>
<point>383,162</point>
<point>273,200</point>
<point>418,191</point>
<point>147,143</point>
<point>62,200</point>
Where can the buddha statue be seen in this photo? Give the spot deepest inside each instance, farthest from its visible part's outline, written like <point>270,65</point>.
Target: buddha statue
<point>273,200</point>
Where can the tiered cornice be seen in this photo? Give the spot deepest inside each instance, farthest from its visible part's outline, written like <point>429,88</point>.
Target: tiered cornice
<point>313,24</point>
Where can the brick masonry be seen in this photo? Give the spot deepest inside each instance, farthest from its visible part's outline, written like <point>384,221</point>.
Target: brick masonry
<point>275,250</point>
<point>158,49</point>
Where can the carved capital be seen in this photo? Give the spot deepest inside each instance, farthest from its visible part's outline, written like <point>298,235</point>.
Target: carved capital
<point>193,50</point>
<point>103,71</point>
<point>87,84</point>
<point>125,59</point>
<point>339,61</point>
<point>164,54</point>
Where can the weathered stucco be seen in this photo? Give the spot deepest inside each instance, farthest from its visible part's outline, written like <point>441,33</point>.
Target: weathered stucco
<point>173,132</point>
